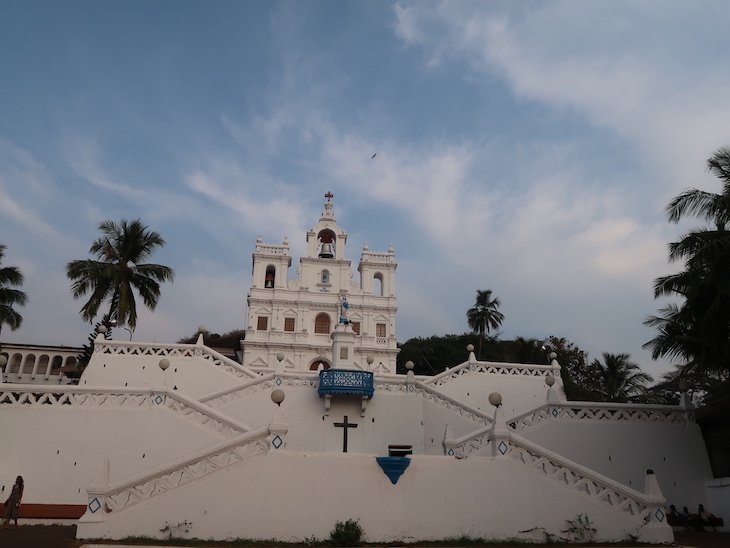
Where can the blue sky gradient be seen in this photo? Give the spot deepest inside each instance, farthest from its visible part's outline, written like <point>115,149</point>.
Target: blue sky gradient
<point>529,148</point>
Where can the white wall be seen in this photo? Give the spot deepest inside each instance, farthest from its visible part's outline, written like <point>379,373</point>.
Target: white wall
<point>58,449</point>
<point>718,498</point>
<point>292,496</point>
<point>624,450</point>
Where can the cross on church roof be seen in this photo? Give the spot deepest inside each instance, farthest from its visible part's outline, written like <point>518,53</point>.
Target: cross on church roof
<point>329,196</point>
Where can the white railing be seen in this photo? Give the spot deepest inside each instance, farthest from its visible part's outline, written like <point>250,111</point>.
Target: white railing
<point>469,444</point>
<point>643,507</point>
<point>116,497</point>
<point>493,368</point>
<point>174,350</point>
<point>129,398</point>
<point>595,411</point>
<point>451,404</point>
<point>272,249</point>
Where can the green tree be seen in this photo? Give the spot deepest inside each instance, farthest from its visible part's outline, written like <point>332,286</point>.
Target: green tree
<point>118,270</point>
<point>618,379</point>
<point>10,277</point>
<point>578,378</point>
<point>484,315</point>
<point>696,330</point>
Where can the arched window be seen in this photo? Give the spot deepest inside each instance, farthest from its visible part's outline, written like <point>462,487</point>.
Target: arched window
<point>270,277</point>
<point>325,276</point>
<point>318,365</point>
<point>378,285</point>
<point>322,323</point>
<point>56,363</point>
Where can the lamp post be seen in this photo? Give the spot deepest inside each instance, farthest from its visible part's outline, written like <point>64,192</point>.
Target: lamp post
<point>114,323</point>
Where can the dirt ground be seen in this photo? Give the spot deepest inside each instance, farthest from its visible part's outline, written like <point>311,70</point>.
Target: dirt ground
<point>63,536</point>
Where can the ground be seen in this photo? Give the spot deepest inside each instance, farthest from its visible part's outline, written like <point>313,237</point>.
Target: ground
<point>58,536</point>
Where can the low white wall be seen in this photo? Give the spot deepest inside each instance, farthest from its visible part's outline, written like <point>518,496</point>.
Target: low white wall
<point>292,496</point>
<point>718,498</point>
<point>520,393</point>
<point>192,375</point>
<point>624,450</point>
<point>58,449</point>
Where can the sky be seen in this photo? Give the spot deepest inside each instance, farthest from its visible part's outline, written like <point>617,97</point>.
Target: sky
<point>524,147</point>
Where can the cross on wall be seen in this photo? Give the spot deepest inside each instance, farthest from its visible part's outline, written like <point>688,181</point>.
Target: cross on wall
<point>345,425</point>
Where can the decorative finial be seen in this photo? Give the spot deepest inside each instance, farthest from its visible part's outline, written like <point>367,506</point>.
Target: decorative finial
<point>329,196</point>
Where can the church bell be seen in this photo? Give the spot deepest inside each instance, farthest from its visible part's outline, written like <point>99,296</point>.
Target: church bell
<point>327,251</point>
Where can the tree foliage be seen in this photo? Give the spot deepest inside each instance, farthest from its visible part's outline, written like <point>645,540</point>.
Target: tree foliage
<point>10,297</point>
<point>118,270</point>
<point>484,315</point>
<point>617,379</point>
<point>696,329</point>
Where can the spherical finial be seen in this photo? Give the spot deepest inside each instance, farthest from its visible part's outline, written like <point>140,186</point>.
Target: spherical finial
<point>550,380</point>
<point>277,396</point>
<point>101,329</point>
<point>495,399</point>
<point>370,360</point>
<point>258,239</point>
<point>553,356</point>
<point>683,386</point>
<point>391,249</point>
<point>470,348</point>
<point>202,329</point>
<point>280,357</point>
<point>286,240</point>
<point>164,363</point>
<point>365,247</point>
<point>409,365</point>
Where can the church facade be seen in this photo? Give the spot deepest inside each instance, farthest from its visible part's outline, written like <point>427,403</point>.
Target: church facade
<point>295,318</point>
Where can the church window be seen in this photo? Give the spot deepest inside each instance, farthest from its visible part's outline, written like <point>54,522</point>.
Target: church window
<point>288,324</point>
<point>355,327</point>
<point>325,276</point>
<point>322,323</point>
<point>262,323</point>
<point>380,330</point>
<point>318,365</point>
<point>378,285</point>
<point>270,277</point>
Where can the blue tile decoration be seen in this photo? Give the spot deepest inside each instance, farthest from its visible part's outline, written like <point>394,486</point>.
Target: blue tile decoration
<point>659,515</point>
<point>345,381</point>
<point>502,447</point>
<point>158,399</point>
<point>411,388</point>
<point>94,505</point>
<point>555,412</point>
<point>450,452</point>
<point>393,467</point>
<point>277,442</point>
<point>278,381</point>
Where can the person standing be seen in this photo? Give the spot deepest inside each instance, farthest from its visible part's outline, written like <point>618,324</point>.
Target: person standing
<point>12,505</point>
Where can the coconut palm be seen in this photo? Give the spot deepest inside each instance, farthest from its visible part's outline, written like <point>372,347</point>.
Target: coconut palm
<point>118,271</point>
<point>698,329</point>
<point>10,276</point>
<point>484,315</point>
<point>618,379</point>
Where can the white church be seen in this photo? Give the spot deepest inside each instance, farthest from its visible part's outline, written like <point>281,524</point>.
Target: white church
<point>315,427</point>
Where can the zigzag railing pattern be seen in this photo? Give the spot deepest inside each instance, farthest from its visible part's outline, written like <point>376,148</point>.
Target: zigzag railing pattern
<point>470,444</point>
<point>590,411</point>
<point>493,368</point>
<point>570,474</point>
<point>174,350</point>
<point>130,398</point>
<point>117,497</point>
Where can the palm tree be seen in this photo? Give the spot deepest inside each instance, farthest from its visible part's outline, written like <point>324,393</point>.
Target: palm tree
<point>10,276</point>
<point>618,379</point>
<point>484,315</point>
<point>698,329</point>
<point>118,270</point>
